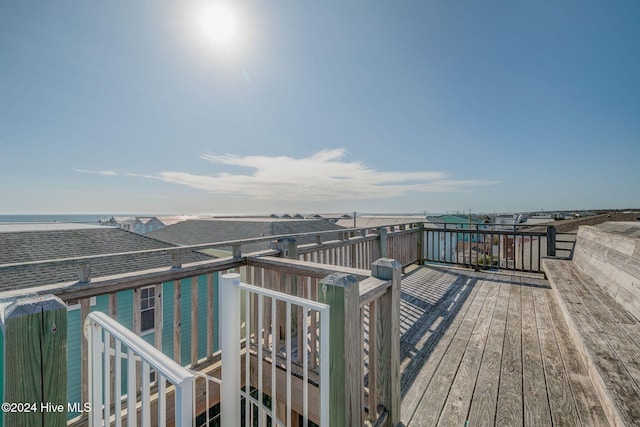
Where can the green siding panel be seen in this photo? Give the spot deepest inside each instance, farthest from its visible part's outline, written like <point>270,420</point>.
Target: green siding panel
<point>125,317</point>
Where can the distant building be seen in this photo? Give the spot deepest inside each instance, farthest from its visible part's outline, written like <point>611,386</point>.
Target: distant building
<point>140,224</point>
<point>143,225</point>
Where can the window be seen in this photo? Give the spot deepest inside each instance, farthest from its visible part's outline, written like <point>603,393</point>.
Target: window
<point>76,306</point>
<point>147,309</point>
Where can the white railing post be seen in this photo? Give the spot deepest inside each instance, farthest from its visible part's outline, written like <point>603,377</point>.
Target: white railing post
<point>95,375</point>
<point>230,343</point>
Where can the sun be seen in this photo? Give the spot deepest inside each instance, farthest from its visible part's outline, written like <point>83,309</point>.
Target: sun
<point>217,24</point>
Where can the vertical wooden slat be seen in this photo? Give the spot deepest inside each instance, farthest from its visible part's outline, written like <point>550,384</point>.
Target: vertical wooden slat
<point>373,360</point>
<point>177,352</point>
<point>85,308</point>
<point>314,325</point>
<point>363,415</point>
<point>280,318</point>
<point>157,318</point>
<point>300,328</point>
<point>137,325</point>
<point>194,321</point>
<point>113,313</point>
<point>210,326</point>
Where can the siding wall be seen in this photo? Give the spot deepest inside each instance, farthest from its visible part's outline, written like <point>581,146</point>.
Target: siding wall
<point>125,317</point>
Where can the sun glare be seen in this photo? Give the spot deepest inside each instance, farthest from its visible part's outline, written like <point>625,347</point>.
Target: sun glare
<point>217,23</point>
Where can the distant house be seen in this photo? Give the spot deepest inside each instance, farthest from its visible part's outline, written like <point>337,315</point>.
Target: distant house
<point>123,222</point>
<point>335,217</point>
<point>36,242</point>
<point>143,225</point>
<point>137,224</point>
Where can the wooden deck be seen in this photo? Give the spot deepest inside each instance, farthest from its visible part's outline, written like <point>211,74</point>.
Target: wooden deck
<point>489,349</point>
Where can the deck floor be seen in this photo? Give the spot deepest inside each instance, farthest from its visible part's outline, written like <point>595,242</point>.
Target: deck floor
<point>489,349</point>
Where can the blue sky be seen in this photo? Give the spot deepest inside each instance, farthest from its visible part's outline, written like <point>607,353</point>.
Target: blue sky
<point>409,106</point>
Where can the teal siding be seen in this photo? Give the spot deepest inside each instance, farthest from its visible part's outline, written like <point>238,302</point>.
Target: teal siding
<point>1,370</point>
<point>185,318</point>
<point>125,317</point>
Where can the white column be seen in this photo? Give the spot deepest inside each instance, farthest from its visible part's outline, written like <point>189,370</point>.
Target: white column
<point>230,342</point>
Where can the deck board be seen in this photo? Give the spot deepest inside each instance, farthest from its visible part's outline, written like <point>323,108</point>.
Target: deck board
<point>419,364</point>
<point>489,349</point>
<point>457,405</point>
<point>483,403</point>
<point>509,405</point>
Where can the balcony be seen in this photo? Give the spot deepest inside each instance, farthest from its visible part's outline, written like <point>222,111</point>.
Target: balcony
<point>428,326</point>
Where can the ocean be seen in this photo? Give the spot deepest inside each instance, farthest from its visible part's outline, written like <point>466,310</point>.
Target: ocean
<point>83,219</point>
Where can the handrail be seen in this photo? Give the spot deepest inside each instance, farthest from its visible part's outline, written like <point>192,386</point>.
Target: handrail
<point>99,329</point>
<point>182,248</point>
<point>175,373</point>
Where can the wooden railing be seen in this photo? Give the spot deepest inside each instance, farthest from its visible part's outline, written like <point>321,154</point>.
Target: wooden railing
<point>188,294</point>
<point>189,291</point>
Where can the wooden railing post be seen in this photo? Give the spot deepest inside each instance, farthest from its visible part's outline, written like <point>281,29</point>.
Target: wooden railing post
<point>382,242</point>
<point>388,339</point>
<point>421,245</point>
<point>35,361</point>
<point>341,292</point>
<point>551,240</point>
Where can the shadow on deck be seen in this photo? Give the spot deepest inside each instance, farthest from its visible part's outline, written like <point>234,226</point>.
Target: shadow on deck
<point>488,349</point>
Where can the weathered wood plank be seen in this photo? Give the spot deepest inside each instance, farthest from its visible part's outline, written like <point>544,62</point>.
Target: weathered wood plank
<point>607,373</point>
<point>483,404</point>
<point>85,309</point>
<point>607,350</point>
<point>587,402</point>
<point>194,321</point>
<point>457,404</point>
<point>509,410</point>
<point>419,364</point>
<point>430,407</point>
<point>157,319</point>
<point>536,404</point>
<point>561,401</point>
<point>211,329</point>
<point>177,349</point>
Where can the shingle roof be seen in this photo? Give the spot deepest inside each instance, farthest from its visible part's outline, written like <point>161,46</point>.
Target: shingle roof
<point>194,231</point>
<point>24,246</point>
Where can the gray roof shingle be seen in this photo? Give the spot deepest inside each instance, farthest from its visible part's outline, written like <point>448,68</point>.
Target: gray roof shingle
<point>25,246</point>
<point>192,232</point>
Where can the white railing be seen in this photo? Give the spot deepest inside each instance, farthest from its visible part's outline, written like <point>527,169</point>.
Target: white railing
<point>230,294</point>
<point>100,329</point>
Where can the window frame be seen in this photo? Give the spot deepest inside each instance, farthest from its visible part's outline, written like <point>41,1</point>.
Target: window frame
<point>151,300</point>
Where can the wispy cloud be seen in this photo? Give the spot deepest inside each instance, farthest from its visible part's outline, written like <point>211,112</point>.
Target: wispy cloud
<point>326,175</point>
<point>106,173</point>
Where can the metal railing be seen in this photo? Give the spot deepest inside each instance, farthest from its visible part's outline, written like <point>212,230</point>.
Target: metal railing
<point>516,249</point>
<point>100,330</point>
